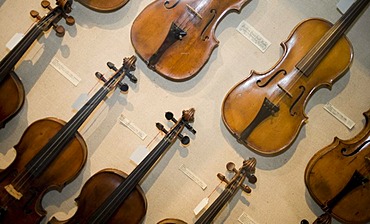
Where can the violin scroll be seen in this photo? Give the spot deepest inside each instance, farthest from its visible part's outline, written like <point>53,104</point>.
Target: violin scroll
<point>187,116</point>
<point>127,66</point>
<point>247,170</point>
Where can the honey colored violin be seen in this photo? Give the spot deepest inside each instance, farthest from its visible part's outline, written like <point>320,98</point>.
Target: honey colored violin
<point>11,87</point>
<point>112,196</point>
<point>50,154</point>
<point>337,177</point>
<point>265,112</point>
<point>246,171</point>
<point>176,37</point>
<point>103,5</point>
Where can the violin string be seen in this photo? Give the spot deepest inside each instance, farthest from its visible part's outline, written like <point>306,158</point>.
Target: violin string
<point>115,202</point>
<point>19,179</point>
<point>310,58</point>
<point>30,36</point>
<point>184,24</point>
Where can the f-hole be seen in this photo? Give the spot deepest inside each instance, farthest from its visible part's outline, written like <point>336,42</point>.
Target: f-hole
<point>260,84</point>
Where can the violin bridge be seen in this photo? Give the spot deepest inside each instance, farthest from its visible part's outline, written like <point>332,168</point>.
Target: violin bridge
<point>13,192</point>
<point>192,10</point>
<point>285,91</point>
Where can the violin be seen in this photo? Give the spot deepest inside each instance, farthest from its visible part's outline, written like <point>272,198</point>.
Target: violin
<point>246,171</point>
<point>337,178</point>
<point>103,5</point>
<point>50,154</point>
<point>112,196</point>
<point>176,37</point>
<point>265,112</point>
<point>11,88</point>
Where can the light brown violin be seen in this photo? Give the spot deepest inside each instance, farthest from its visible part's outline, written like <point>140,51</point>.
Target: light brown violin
<point>246,171</point>
<point>176,37</point>
<point>103,5</point>
<point>111,196</point>
<point>50,154</point>
<point>337,177</point>
<point>265,112</point>
<point>11,88</point>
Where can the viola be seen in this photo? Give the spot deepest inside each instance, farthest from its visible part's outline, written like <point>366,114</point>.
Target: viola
<point>265,112</point>
<point>112,196</point>
<point>337,178</point>
<point>103,6</point>
<point>50,154</point>
<point>176,37</point>
<point>246,171</point>
<point>11,88</point>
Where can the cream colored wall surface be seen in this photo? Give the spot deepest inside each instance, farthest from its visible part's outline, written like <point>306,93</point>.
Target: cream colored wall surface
<point>279,196</point>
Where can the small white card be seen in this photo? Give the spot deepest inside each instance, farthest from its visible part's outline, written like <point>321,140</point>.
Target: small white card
<point>253,36</point>
<point>192,176</point>
<point>130,125</point>
<point>201,206</point>
<point>14,41</point>
<point>245,219</point>
<point>343,5</point>
<point>339,115</point>
<point>66,72</point>
<point>139,154</point>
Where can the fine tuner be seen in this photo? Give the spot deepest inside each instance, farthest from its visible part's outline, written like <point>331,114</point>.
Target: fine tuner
<point>184,139</point>
<point>66,8</point>
<point>122,86</point>
<point>250,176</point>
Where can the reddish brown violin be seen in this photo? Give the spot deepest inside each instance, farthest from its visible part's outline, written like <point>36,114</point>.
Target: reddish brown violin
<point>176,37</point>
<point>110,196</point>
<point>50,154</point>
<point>337,177</point>
<point>103,5</point>
<point>11,87</point>
<point>265,112</point>
<point>246,171</point>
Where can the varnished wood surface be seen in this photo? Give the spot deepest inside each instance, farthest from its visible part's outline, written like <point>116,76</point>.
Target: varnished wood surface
<point>280,197</point>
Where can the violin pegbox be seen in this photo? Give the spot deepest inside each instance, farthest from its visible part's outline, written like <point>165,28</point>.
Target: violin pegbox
<point>54,15</point>
<point>187,116</point>
<point>128,66</point>
<point>246,171</point>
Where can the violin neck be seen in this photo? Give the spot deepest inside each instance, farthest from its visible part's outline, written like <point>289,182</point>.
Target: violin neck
<point>320,50</point>
<point>111,204</point>
<point>11,59</point>
<point>216,207</point>
<point>53,148</point>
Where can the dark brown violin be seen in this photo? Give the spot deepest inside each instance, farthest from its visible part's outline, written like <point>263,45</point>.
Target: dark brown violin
<point>337,177</point>
<point>103,5</point>
<point>246,171</point>
<point>265,112</point>
<point>11,87</point>
<point>50,154</point>
<point>112,196</point>
<point>176,37</point>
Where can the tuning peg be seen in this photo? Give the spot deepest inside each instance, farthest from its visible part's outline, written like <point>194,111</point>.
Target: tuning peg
<point>231,167</point>
<point>111,66</point>
<point>123,87</point>
<point>169,116</point>
<point>184,139</point>
<point>245,188</point>
<point>46,5</point>
<point>70,21</point>
<point>100,76</point>
<point>35,14</point>
<point>252,178</point>
<point>59,30</point>
<point>222,178</point>
<point>131,77</point>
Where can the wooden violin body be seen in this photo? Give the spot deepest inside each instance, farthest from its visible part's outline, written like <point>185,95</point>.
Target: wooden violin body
<point>176,37</point>
<point>111,198</point>
<point>265,112</point>
<point>28,208</point>
<point>11,88</point>
<point>50,154</point>
<point>337,177</point>
<point>97,189</point>
<point>13,98</point>
<point>103,5</point>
